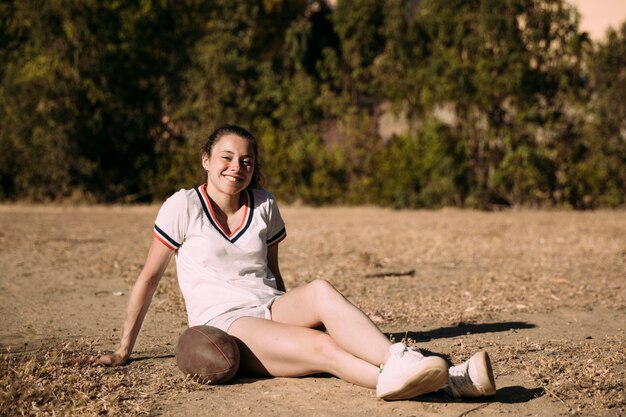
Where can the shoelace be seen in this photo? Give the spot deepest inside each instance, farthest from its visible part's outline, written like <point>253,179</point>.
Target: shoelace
<point>407,350</point>
<point>412,351</point>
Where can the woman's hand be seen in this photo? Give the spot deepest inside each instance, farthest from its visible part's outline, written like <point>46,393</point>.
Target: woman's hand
<point>111,359</point>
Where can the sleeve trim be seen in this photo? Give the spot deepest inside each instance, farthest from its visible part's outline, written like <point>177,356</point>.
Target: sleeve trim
<point>278,237</point>
<point>165,239</point>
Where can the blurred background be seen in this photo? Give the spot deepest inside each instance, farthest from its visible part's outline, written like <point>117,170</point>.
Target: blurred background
<point>401,103</point>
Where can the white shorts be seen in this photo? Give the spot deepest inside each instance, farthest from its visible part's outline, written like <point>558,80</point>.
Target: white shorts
<point>224,320</point>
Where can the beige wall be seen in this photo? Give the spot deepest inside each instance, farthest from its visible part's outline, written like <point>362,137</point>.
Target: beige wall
<point>598,15</point>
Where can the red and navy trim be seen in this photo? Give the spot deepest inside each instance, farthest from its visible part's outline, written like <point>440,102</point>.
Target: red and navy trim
<point>207,207</point>
<point>165,239</point>
<point>278,237</point>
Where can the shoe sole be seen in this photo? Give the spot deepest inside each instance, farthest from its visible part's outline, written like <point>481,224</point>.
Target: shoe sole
<point>431,376</point>
<point>482,374</point>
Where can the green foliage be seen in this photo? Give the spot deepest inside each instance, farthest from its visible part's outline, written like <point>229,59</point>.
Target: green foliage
<point>301,167</point>
<point>503,102</point>
<point>526,175</point>
<point>422,170</point>
<point>81,92</point>
<point>602,169</point>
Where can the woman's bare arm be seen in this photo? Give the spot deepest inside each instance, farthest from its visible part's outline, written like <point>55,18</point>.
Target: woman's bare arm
<point>140,298</point>
<point>272,264</point>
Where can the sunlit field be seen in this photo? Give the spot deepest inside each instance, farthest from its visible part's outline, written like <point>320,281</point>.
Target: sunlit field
<point>543,292</point>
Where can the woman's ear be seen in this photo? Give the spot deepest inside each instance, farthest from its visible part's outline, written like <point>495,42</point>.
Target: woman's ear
<point>205,161</point>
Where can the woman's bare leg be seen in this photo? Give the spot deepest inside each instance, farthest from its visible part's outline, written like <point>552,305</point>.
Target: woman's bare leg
<point>320,303</point>
<point>283,350</point>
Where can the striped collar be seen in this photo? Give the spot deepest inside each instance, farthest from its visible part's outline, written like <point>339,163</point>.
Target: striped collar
<point>207,206</point>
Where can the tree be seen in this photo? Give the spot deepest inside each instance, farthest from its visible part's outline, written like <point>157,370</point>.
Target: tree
<point>109,101</point>
<point>83,85</point>
<point>501,69</point>
<point>601,170</point>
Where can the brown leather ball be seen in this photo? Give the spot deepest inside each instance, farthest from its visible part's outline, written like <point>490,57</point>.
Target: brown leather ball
<point>208,354</point>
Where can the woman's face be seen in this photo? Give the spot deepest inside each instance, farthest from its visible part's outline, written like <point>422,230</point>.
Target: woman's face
<point>230,165</point>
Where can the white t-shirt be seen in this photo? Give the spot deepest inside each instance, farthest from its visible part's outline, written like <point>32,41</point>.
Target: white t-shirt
<point>218,272</point>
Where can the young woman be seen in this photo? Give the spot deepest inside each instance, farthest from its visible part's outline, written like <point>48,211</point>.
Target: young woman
<point>225,236</point>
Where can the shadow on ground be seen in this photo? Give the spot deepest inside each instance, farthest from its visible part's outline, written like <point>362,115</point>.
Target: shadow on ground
<point>504,395</point>
<point>151,357</point>
<point>461,330</point>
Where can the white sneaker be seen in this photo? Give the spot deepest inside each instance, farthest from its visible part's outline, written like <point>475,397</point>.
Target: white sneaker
<point>473,378</point>
<point>407,374</point>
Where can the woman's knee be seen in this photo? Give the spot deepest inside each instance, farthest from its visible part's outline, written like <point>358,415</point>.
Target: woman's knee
<point>323,289</point>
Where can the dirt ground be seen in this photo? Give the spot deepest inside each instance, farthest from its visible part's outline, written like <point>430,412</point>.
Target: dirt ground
<point>543,292</point>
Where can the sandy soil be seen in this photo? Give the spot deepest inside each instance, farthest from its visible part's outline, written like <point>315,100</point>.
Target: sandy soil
<point>543,292</point>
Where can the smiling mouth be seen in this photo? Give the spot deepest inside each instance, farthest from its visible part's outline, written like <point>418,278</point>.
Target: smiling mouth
<point>232,179</point>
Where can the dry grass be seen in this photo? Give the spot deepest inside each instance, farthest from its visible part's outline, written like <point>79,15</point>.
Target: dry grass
<point>587,377</point>
<point>62,381</point>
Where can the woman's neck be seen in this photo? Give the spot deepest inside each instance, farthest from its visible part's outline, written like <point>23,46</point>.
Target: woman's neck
<point>227,204</point>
